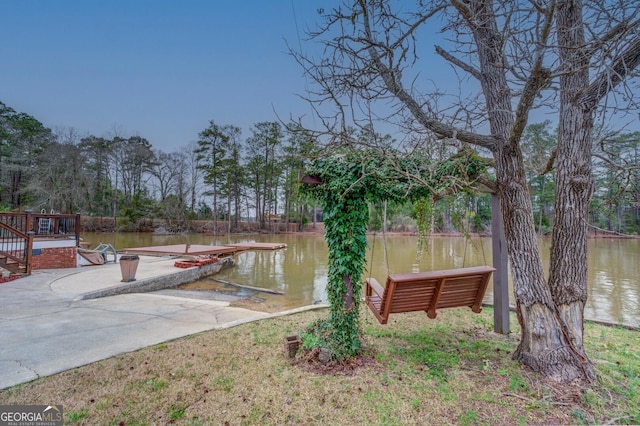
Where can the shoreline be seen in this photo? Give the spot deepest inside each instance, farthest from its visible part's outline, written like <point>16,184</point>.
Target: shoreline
<point>372,233</point>
<point>209,227</point>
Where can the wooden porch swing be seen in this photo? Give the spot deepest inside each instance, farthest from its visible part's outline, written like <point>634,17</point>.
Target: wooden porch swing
<point>428,291</point>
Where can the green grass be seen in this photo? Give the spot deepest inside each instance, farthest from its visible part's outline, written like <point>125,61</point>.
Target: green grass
<point>76,416</point>
<point>177,410</point>
<point>154,384</point>
<point>470,417</point>
<point>222,382</point>
<point>450,371</point>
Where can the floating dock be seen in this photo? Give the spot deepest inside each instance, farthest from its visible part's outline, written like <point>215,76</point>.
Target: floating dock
<point>182,250</point>
<point>201,249</point>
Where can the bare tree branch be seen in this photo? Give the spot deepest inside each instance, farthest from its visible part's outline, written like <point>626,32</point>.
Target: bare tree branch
<point>393,84</point>
<point>457,62</point>
<point>415,26</point>
<point>550,163</point>
<point>610,78</point>
<point>615,32</point>
<point>539,78</point>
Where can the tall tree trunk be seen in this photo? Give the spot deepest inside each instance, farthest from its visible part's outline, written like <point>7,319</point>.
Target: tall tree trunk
<point>265,188</point>
<point>16,179</point>
<point>574,184</point>
<point>541,207</point>
<point>546,344</point>
<point>230,225</point>
<point>287,206</point>
<point>215,206</point>
<point>447,222</point>
<point>259,217</point>
<point>237,201</point>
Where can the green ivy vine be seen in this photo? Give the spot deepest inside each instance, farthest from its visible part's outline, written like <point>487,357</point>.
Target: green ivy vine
<point>349,182</point>
<point>423,211</point>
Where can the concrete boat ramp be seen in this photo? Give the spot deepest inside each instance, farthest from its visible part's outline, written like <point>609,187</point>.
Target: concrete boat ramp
<point>58,319</point>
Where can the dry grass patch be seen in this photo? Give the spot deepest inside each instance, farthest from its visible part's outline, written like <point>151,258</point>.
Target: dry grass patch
<point>452,370</point>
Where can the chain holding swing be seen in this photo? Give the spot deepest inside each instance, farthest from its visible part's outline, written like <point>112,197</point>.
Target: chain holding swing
<point>384,243</point>
<point>467,236</point>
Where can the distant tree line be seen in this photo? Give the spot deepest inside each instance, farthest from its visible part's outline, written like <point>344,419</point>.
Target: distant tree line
<point>231,178</point>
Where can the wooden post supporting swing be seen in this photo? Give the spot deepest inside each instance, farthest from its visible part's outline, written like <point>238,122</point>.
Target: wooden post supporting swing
<point>501,274</point>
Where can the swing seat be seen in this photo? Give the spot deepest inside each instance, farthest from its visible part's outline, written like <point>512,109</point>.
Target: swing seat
<point>428,291</point>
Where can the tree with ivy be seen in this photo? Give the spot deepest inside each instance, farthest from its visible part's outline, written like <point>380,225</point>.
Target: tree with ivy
<point>345,184</point>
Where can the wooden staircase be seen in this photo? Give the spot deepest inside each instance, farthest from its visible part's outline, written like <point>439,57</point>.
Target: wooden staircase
<point>12,265</point>
<point>15,250</point>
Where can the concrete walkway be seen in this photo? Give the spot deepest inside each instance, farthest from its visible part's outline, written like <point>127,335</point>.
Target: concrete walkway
<point>47,324</point>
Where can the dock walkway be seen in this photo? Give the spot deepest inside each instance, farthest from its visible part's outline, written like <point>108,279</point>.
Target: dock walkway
<point>201,249</point>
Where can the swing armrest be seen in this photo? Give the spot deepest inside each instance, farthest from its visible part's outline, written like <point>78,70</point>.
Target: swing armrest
<point>373,284</point>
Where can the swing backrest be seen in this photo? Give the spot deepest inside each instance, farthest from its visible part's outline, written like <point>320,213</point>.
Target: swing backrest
<point>428,291</point>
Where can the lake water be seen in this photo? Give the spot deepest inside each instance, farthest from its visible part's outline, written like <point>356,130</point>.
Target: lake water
<point>300,270</point>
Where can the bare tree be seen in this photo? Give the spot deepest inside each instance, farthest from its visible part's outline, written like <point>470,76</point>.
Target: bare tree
<point>135,160</point>
<point>191,176</point>
<point>166,171</point>
<point>62,182</point>
<point>521,56</point>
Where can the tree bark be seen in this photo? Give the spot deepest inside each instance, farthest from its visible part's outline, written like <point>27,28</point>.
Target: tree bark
<point>574,183</point>
<point>546,343</point>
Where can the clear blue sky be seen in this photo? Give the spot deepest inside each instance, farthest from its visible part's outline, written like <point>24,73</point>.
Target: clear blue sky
<point>160,69</point>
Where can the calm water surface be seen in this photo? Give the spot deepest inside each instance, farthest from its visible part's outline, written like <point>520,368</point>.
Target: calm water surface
<point>300,270</point>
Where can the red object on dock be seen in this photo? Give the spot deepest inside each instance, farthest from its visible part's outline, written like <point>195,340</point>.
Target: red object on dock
<point>199,262</point>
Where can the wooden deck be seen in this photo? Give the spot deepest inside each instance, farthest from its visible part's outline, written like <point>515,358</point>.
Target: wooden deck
<point>182,250</point>
<point>200,249</point>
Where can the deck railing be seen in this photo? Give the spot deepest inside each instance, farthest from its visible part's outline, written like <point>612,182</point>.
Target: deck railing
<point>19,229</point>
<point>16,249</point>
<point>47,225</point>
